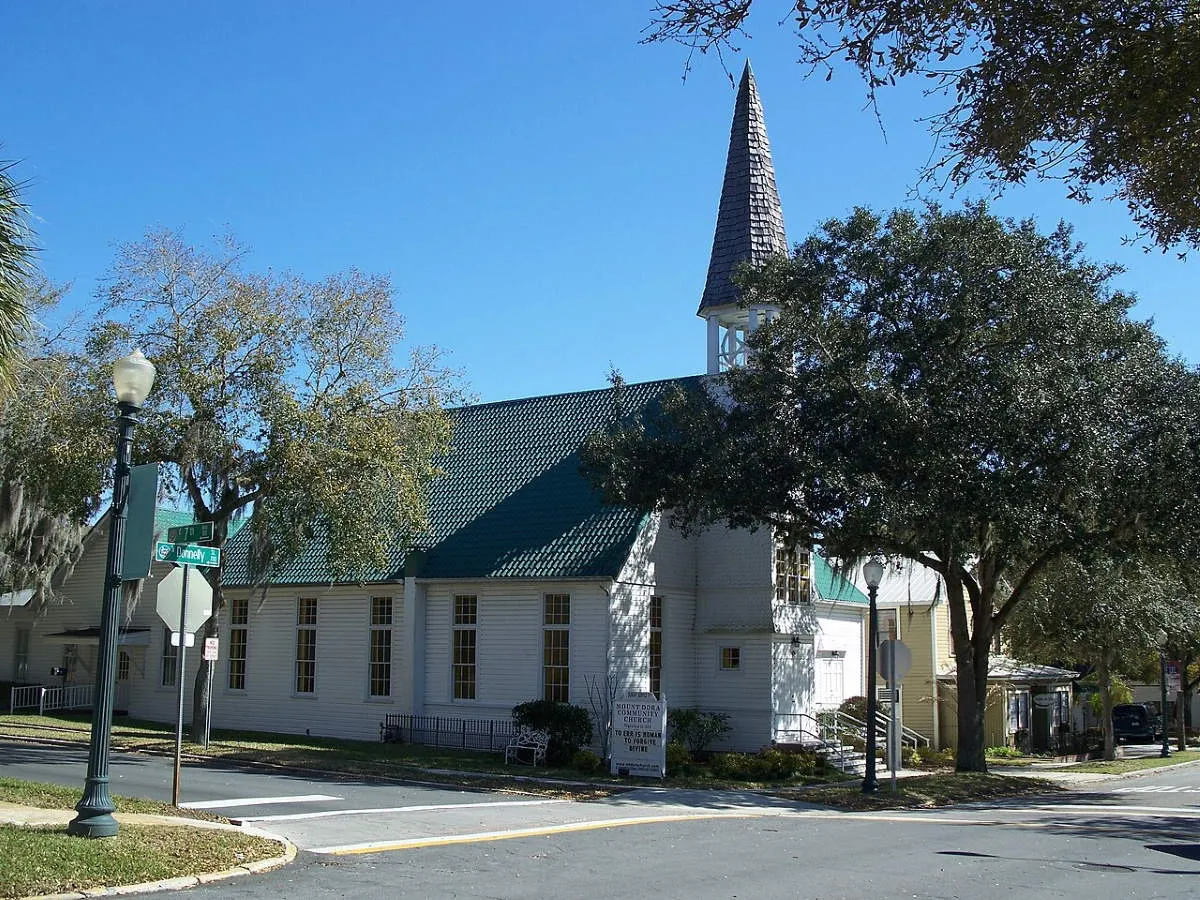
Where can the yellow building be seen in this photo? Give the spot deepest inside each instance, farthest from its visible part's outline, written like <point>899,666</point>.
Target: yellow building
<point>1027,704</point>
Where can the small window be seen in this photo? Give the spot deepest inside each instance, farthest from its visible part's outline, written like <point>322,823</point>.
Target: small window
<point>731,658</point>
<point>123,666</point>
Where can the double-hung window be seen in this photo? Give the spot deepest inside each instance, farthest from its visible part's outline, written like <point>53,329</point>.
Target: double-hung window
<point>306,645</point>
<point>656,645</point>
<point>379,667</point>
<point>556,647</point>
<point>239,637</point>
<point>466,618</point>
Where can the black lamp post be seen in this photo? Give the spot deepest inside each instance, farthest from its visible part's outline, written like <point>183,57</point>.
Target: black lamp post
<point>133,377</point>
<point>873,574</point>
<point>1162,682</point>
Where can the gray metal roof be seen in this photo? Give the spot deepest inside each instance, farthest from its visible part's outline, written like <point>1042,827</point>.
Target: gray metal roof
<point>750,217</point>
<point>1004,668</point>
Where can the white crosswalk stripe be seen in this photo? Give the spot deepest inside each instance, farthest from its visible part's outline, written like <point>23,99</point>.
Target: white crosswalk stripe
<point>1158,789</point>
<point>257,801</point>
<point>375,811</point>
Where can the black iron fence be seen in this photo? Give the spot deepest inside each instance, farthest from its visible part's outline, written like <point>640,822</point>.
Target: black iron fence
<point>488,735</point>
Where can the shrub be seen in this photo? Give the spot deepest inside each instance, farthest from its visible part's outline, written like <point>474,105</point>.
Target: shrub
<point>1004,752</point>
<point>927,758</point>
<point>678,757</point>
<point>770,764</point>
<point>569,727</point>
<point>586,761</point>
<point>855,706</point>
<point>697,729</point>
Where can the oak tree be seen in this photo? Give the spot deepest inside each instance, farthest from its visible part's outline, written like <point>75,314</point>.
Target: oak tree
<point>947,387</point>
<point>280,398</point>
<point>1100,94</point>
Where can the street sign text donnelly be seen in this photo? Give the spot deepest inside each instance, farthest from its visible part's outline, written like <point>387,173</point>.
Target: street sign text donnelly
<point>187,554</point>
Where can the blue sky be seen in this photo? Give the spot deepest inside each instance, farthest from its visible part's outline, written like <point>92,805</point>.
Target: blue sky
<point>541,187</point>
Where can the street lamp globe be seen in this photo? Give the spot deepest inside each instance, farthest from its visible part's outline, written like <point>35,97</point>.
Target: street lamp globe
<point>133,376</point>
<point>873,571</point>
<point>1160,638</point>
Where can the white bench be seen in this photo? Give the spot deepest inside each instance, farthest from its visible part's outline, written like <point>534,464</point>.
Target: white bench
<point>530,743</point>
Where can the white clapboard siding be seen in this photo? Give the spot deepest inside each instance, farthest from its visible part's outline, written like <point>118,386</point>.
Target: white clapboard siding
<point>679,649</point>
<point>630,637</point>
<point>734,587</point>
<point>341,704</point>
<point>508,655</point>
<point>745,694</point>
<point>841,630</point>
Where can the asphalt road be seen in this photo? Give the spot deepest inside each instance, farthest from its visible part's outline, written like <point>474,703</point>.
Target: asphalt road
<point>1135,837</point>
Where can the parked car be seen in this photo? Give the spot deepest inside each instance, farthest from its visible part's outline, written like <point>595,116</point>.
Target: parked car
<point>1135,722</point>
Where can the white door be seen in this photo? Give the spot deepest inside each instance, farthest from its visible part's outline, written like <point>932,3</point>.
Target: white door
<point>792,684</point>
<point>830,681</point>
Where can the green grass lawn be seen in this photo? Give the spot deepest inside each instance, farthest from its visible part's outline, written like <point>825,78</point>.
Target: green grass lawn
<point>47,860</point>
<point>941,789</point>
<point>1121,766</point>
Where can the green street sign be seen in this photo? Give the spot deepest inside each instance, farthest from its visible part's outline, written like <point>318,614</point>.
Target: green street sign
<point>187,554</point>
<point>185,534</point>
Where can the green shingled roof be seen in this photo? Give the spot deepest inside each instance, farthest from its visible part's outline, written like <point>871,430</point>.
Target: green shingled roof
<point>512,502</point>
<point>832,585</point>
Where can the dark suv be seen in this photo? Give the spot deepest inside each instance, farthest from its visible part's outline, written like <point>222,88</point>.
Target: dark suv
<point>1134,722</point>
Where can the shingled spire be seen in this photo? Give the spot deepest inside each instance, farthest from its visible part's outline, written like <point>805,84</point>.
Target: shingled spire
<point>750,218</point>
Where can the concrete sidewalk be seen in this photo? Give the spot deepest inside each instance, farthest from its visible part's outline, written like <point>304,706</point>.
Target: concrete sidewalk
<point>33,816</point>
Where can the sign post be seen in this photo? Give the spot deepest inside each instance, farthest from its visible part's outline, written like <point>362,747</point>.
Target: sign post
<point>211,651</point>
<point>897,660</point>
<point>184,602</point>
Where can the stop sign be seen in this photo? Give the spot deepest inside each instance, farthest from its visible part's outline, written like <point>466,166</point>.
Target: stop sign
<point>170,599</point>
<point>903,658</point>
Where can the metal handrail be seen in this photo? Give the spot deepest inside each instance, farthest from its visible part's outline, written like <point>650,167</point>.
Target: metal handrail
<point>908,735</point>
<point>815,733</point>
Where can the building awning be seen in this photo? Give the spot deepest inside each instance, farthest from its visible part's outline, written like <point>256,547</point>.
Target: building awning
<point>126,637</point>
<point>1005,669</point>
<point>16,598</point>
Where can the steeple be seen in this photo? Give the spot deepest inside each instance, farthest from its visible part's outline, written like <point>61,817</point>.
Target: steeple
<point>749,228</point>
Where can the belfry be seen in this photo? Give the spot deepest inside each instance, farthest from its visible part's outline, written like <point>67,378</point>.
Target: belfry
<point>749,229</point>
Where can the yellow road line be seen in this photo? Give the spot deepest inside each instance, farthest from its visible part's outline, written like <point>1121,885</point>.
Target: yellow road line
<point>479,837</point>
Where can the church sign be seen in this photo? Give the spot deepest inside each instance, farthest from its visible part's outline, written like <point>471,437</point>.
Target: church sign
<point>639,736</point>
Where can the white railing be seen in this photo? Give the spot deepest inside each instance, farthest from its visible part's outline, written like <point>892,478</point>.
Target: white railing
<point>45,698</point>
<point>71,696</point>
<point>25,697</point>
